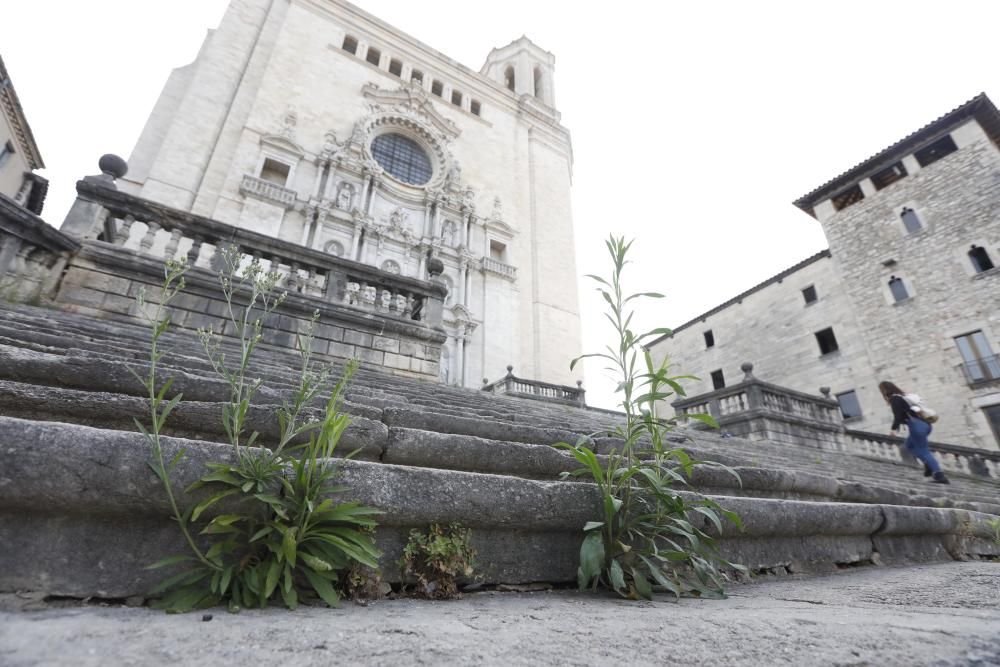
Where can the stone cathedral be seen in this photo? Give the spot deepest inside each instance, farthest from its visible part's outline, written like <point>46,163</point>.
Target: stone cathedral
<point>318,124</point>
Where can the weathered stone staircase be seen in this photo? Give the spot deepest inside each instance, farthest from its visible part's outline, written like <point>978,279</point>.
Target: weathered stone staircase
<point>81,514</point>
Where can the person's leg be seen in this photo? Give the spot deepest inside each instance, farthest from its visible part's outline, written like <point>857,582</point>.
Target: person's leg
<point>916,442</point>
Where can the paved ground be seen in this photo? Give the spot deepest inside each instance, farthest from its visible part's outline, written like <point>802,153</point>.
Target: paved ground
<point>941,615</point>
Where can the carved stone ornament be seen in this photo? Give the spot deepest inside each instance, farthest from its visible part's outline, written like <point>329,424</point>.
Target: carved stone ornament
<point>345,196</point>
<point>331,147</point>
<point>497,208</point>
<point>390,266</point>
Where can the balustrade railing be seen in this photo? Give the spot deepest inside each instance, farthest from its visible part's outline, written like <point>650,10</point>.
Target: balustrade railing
<point>978,371</point>
<point>953,458</point>
<point>515,386</point>
<point>30,252</point>
<point>499,268</point>
<point>159,231</point>
<point>267,190</point>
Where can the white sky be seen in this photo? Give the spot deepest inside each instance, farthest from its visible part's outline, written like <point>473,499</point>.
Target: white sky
<point>694,124</point>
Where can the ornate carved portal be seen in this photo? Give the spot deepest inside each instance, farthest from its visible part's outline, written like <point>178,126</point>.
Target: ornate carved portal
<point>370,210</point>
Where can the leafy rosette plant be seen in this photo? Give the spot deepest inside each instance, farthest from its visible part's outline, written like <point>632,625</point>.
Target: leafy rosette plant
<point>283,535</point>
<point>648,534</point>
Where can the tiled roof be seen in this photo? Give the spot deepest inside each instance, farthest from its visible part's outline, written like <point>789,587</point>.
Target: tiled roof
<point>979,107</point>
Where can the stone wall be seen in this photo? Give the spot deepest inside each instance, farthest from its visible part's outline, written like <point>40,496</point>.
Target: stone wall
<point>104,280</point>
<point>912,342</point>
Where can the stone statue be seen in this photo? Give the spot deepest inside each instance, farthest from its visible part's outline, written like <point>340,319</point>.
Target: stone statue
<point>385,302</point>
<point>368,295</point>
<point>352,294</point>
<point>288,123</point>
<point>468,197</point>
<point>345,196</point>
<point>448,233</point>
<point>497,208</point>
<point>358,135</point>
<point>397,219</point>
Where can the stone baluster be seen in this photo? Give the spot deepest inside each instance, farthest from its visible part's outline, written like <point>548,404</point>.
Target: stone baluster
<point>121,238</point>
<point>292,281</point>
<point>175,239</point>
<point>147,241</point>
<point>195,250</point>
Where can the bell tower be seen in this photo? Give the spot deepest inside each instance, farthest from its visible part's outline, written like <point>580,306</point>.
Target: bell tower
<point>523,68</point>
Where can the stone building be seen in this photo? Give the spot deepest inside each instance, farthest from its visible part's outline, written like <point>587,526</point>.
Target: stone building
<point>908,290</point>
<point>19,155</point>
<point>316,123</point>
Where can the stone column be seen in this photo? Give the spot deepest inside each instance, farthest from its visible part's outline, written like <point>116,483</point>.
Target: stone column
<point>463,269</point>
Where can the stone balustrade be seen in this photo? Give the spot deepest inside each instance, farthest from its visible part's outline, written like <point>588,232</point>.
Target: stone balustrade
<point>759,410</point>
<point>258,187</point>
<point>152,229</point>
<point>953,458</point>
<point>500,268</point>
<point>31,253</point>
<point>545,391</point>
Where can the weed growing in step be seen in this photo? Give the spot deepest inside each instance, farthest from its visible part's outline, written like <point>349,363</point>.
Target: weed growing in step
<point>994,524</point>
<point>437,559</point>
<point>283,535</point>
<point>648,533</point>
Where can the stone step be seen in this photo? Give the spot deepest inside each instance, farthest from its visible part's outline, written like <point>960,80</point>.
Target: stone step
<point>82,516</point>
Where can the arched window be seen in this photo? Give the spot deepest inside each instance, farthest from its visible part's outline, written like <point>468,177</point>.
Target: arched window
<point>508,77</point>
<point>911,220</point>
<point>898,289</point>
<point>980,259</point>
<point>403,158</point>
<point>538,82</point>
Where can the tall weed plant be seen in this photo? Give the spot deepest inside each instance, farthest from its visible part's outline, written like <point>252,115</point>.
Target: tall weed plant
<point>648,533</point>
<point>283,536</point>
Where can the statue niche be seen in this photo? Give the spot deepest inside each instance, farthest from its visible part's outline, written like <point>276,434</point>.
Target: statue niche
<point>345,196</point>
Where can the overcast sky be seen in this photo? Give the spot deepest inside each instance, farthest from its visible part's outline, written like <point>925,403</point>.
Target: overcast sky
<point>694,124</point>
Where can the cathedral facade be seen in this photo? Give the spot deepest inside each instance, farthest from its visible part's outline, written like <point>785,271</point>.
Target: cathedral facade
<point>908,291</point>
<point>315,122</point>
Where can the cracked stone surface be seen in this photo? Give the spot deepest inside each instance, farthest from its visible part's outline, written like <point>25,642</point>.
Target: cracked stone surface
<point>943,615</point>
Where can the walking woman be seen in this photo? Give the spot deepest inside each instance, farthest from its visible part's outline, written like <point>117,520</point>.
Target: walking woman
<point>919,430</point>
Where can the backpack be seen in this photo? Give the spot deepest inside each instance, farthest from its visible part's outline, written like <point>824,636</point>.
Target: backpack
<point>921,409</point>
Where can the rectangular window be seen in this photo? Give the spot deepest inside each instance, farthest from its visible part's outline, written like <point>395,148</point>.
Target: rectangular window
<point>850,407</point>
<point>911,221</point>
<point>993,417</point>
<point>718,381</point>
<point>809,294</point>
<point>417,76</point>
<point>350,44</point>
<point>275,172</point>
<point>889,175</point>
<point>928,154</point>
<point>851,195</point>
<point>395,67</point>
<point>5,152</point>
<point>437,88</point>
<point>498,251</point>
<point>827,341</point>
<point>476,108</point>
<point>709,339</point>
<point>898,289</point>
<point>978,360</point>
<point>374,56</point>
<point>456,98</point>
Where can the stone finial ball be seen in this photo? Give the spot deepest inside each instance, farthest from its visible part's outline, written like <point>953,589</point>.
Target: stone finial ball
<point>510,369</point>
<point>825,391</point>
<point>435,267</point>
<point>746,367</point>
<point>113,165</point>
